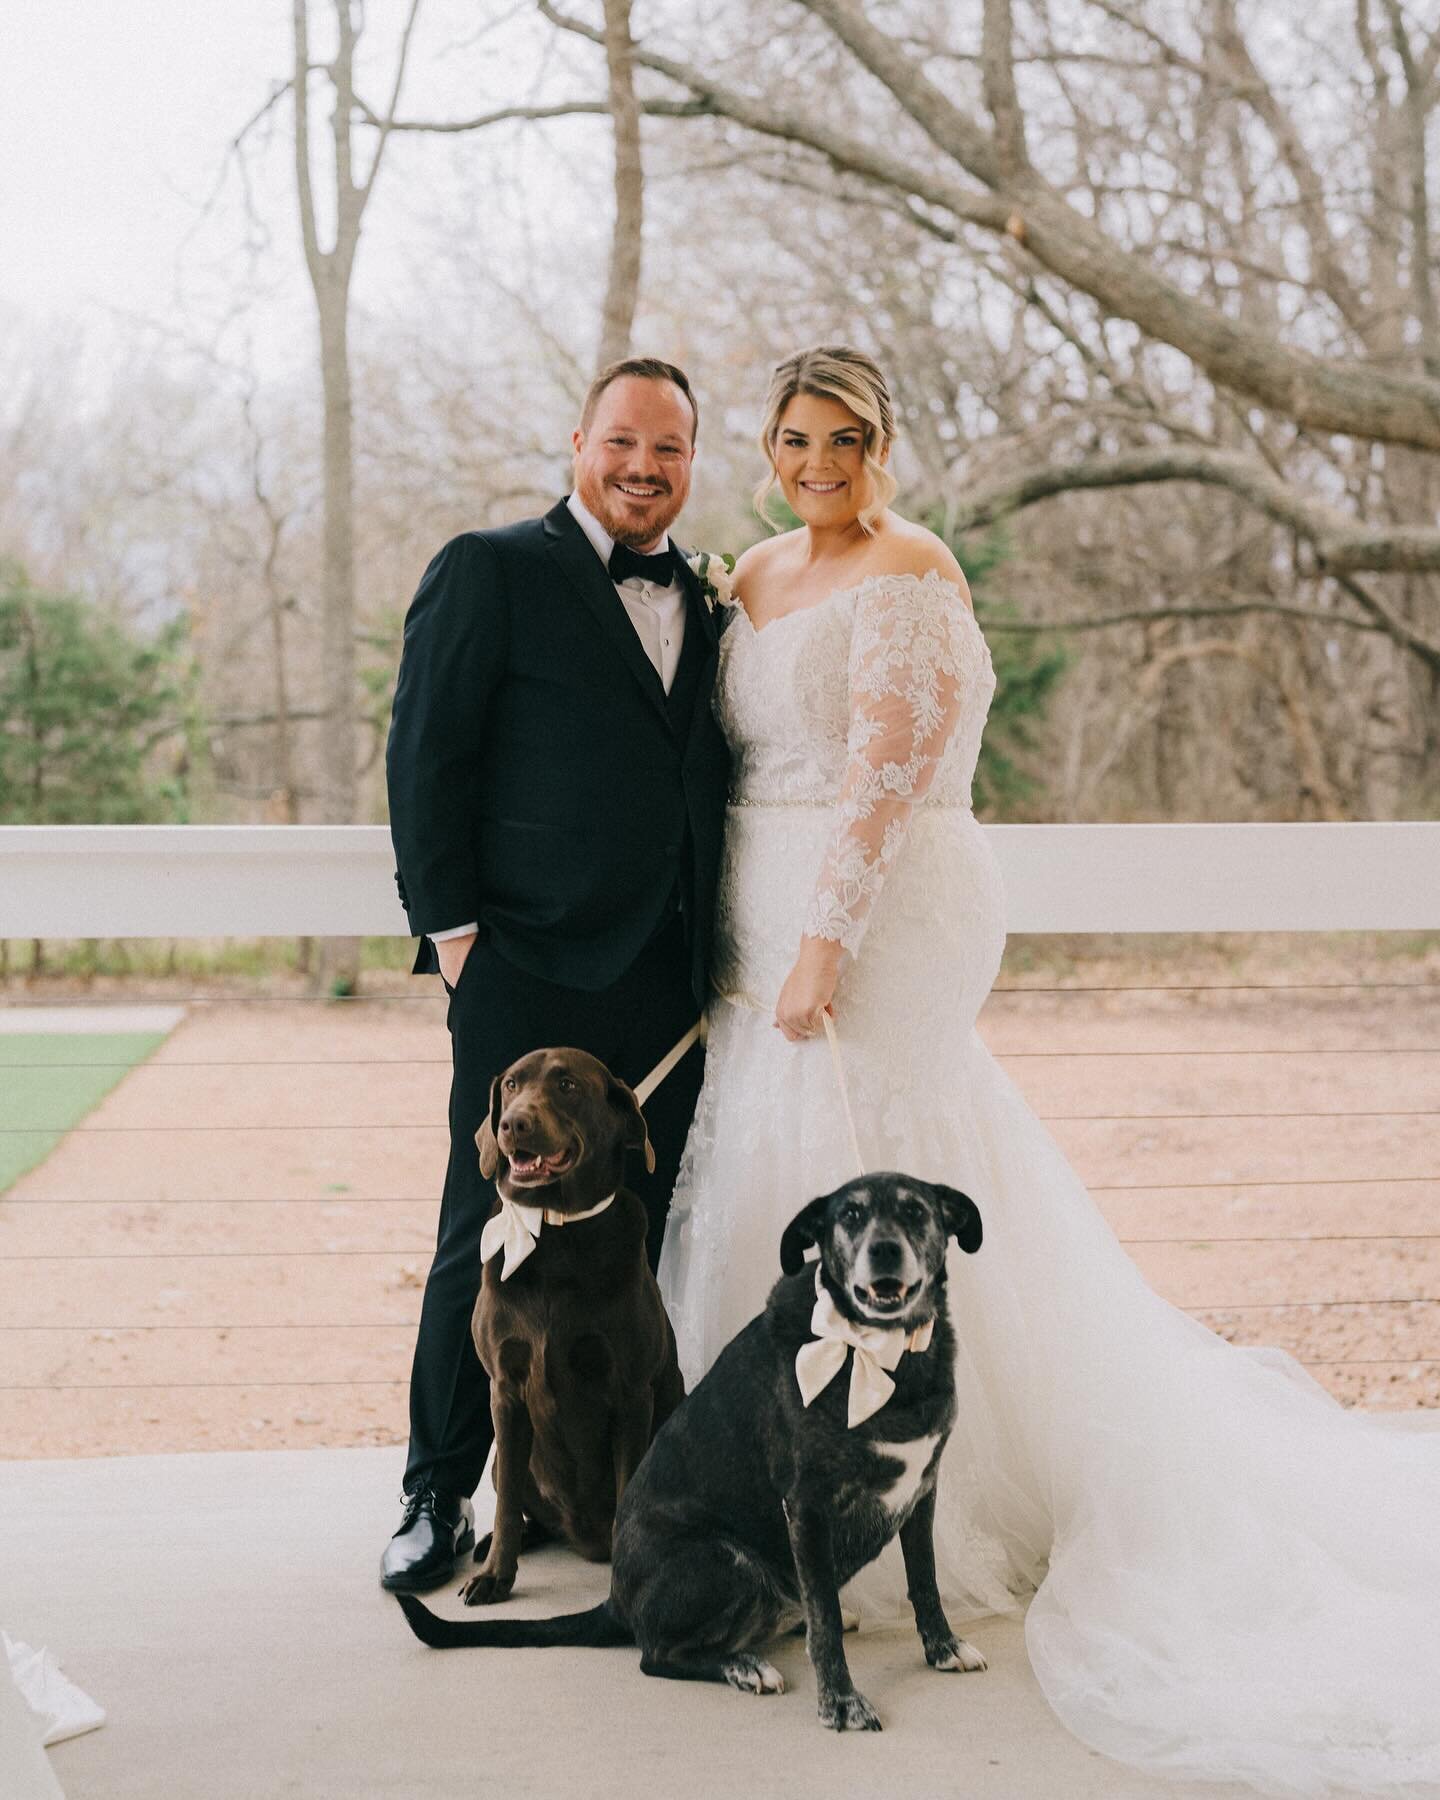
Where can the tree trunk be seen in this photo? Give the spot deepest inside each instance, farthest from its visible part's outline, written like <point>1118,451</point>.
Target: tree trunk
<point>337,656</point>
<point>622,290</point>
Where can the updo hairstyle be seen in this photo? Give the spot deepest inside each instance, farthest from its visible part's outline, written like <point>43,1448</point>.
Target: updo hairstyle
<point>834,372</point>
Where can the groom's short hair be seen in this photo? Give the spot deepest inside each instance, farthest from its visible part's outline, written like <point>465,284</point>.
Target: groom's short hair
<point>648,368</point>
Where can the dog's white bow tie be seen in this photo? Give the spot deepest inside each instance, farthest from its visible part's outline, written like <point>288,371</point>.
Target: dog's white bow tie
<point>877,1348</point>
<point>515,1229</point>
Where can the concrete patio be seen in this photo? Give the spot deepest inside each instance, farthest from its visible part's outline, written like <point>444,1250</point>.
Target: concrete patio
<point>224,1610</point>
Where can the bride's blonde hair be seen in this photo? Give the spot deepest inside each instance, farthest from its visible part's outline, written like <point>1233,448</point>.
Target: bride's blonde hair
<point>834,372</point>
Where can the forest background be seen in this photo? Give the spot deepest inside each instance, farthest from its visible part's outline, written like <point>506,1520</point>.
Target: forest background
<point>1154,281</point>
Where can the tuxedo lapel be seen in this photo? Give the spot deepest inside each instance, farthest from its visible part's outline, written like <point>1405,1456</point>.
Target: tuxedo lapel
<point>701,630</point>
<point>584,572</point>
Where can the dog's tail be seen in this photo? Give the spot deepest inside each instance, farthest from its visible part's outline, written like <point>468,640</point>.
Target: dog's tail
<point>599,1628</point>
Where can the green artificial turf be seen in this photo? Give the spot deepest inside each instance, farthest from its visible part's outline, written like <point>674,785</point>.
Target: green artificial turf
<point>50,1080</point>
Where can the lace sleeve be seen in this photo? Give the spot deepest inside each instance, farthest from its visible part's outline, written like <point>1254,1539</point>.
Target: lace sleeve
<point>905,700</point>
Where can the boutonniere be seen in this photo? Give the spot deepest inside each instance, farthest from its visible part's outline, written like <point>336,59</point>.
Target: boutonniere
<point>715,571</point>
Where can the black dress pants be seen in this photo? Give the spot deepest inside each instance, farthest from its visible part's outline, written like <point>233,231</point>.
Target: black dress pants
<point>499,1013</point>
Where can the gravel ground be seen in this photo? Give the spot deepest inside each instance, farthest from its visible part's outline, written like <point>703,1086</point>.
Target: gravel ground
<point>258,1199</point>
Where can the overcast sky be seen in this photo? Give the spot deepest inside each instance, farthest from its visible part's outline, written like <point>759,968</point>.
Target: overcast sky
<point>114,115</point>
<point>115,120</point>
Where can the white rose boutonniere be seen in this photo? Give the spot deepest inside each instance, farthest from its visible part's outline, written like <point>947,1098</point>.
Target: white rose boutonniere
<point>715,571</point>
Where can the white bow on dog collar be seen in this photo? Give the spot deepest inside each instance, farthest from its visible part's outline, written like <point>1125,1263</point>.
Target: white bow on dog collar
<point>877,1348</point>
<point>515,1229</point>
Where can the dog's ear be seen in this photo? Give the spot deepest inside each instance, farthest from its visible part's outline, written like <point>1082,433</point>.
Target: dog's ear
<point>637,1134</point>
<point>485,1141</point>
<point>803,1229</point>
<point>962,1217</point>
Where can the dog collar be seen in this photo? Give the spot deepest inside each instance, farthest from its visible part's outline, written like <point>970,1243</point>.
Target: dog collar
<point>516,1228</point>
<point>877,1348</point>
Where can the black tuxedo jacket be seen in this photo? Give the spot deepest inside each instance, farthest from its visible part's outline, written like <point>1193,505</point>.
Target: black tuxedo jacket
<point>541,780</point>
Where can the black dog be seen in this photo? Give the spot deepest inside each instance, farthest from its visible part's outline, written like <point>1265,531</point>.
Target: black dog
<point>752,1509</point>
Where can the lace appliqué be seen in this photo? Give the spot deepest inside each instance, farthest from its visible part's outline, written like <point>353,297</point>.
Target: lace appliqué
<point>910,651</point>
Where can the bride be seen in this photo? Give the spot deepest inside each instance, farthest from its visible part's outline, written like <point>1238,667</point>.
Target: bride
<point>1228,1576</point>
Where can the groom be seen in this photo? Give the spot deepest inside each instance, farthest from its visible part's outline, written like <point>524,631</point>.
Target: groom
<point>557,792</point>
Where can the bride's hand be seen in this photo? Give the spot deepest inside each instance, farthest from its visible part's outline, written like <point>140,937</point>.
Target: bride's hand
<point>808,989</point>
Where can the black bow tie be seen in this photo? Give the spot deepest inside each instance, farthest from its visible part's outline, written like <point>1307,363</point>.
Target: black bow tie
<point>626,563</point>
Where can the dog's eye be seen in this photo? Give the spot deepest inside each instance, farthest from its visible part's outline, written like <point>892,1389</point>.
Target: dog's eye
<point>511,1083</point>
<point>913,1213</point>
<point>852,1215</point>
<point>568,1084</point>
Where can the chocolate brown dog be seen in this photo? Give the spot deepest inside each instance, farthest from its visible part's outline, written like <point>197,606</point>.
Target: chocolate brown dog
<point>569,1323</point>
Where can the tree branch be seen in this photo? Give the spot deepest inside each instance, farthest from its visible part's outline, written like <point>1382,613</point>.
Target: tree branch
<point>562,109</point>
<point>858,156</point>
<point>277,94</point>
<point>387,124</point>
<point>1341,547</point>
<point>1150,615</point>
<point>997,66</point>
<point>1174,58</point>
<point>1235,52</point>
<point>348,199</point>
<point>1403,632</point>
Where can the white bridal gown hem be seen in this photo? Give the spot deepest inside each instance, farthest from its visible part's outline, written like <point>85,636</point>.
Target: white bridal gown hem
<point>1233,1578</point>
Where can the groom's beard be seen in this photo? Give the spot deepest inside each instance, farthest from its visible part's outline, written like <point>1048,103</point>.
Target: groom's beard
<point>610,509</point>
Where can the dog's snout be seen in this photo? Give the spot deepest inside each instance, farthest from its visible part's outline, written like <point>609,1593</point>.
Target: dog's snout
<point>886,1255</point>
<point>887,1265</point>
<point>519,1122</point>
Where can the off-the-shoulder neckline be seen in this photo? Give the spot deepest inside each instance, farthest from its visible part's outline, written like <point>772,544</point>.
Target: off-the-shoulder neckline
<point>857,587</point>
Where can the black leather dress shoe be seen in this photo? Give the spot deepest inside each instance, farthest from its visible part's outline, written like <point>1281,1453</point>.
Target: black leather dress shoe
<point>436,1530</point>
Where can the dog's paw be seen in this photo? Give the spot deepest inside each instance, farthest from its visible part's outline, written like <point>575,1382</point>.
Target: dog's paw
<point>848,1712</point>
<point>954,1655</point>
<point>753,1675</point>
<point>485,1590</point>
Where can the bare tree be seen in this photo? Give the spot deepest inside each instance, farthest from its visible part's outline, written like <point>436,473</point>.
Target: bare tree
<point>331,271</point>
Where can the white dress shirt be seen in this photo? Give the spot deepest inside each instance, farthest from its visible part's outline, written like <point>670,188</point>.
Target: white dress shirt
<point>657,613</point>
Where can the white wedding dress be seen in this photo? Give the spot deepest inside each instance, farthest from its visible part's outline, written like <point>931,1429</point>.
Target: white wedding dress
<point>1232,1576</point>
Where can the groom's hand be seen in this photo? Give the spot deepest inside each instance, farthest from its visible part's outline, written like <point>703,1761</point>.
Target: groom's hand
<point>452,953</point>
<point>808,989</point>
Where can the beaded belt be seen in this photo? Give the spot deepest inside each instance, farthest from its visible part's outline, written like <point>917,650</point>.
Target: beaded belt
<point>829,805</point>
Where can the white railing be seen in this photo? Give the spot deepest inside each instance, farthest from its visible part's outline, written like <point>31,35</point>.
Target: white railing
<point>80,881</point>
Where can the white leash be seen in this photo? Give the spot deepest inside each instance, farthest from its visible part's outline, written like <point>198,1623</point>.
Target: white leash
<point>695,1035</point>
<point>834,1043</point>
